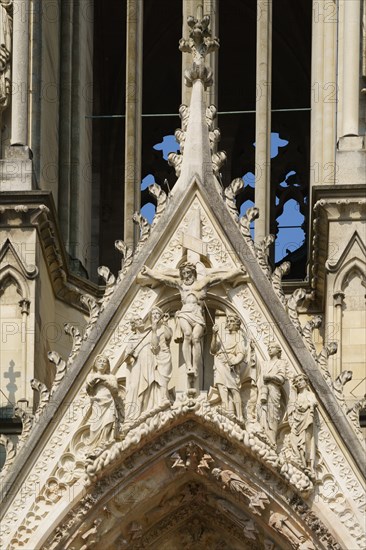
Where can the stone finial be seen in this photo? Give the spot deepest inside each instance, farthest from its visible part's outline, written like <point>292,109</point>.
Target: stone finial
<point>200,43</point>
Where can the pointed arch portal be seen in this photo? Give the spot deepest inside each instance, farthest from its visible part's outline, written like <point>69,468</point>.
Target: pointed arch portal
<point>187,487</point>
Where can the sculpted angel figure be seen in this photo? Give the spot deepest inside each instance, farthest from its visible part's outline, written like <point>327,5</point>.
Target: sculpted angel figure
<point>230,360</point>
<point>190,320</point>
<point>106,403</point>
<point>149,362</point>
<point>272,378</point>
<point>301,419</point>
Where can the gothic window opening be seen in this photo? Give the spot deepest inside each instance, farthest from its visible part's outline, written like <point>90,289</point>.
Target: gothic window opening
<point>286,202</point>
<point>285,210</point>
<point>161,95</point>
<point>109,100</point>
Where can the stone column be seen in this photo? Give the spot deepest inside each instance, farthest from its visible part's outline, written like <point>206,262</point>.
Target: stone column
<point>338,306</point>
<point>324,95</point>
<point>350,85</point>
<point>263,117</point>
<point>133,128</point>
<point>19,109</point>
<point>351,158</point>
<point>16,170</point>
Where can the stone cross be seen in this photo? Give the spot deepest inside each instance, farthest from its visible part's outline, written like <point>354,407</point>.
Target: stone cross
<point>191,242</point>
<point>11,386</point>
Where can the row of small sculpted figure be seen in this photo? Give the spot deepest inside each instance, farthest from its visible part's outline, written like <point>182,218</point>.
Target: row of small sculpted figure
<point>149,365</point>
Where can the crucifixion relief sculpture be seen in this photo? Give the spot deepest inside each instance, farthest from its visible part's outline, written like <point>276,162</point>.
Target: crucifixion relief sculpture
<point>190,319</point>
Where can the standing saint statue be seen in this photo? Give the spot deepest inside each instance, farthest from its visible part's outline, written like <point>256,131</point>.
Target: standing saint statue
<point>106,404</point>
<point>228,363</point>
<point>190,320</point>
<point>149,361</point>
<point>272,378</point>
<point>301,419</point>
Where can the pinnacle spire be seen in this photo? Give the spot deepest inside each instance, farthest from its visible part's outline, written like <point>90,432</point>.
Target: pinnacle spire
<point>197,137</point>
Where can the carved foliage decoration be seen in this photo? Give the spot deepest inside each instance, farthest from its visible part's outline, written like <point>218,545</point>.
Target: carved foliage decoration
<point>77,340</point>
<point>61,366</point>
<point>144,231</point>
<point>199,44</point>
<point>110,284</point>
<point>244,223</point>
<point>276,279</point>
<point>27,422</point>
<point>127,257</point>
<point>262,254</point>
<point>175,160</point>
<point>307,331</point>
<point>94,310</point>
<point>161,198</point>
<point>43,396</point>
<point>292,307</point>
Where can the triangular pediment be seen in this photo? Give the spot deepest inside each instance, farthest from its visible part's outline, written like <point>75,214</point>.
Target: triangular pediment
<point>263,312</point>
<point>10,258</point>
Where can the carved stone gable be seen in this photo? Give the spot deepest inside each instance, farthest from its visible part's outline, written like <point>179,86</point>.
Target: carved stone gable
<point>193,410</point>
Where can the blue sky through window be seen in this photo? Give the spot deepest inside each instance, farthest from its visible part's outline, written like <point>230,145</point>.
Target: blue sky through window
<point>290,235</point>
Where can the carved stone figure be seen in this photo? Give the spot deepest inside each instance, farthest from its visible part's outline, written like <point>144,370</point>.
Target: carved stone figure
<point>192,457</point>
<point>272,378</point>
<point>106,403</point>
<point>301,420</point>
<point>229,360</point>
<point>233,482</point>
<point>190,319</point>
<point>150,365</point>
<point>282,524</point>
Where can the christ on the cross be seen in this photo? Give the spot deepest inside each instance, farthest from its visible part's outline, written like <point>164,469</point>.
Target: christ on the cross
<point>190,319</point>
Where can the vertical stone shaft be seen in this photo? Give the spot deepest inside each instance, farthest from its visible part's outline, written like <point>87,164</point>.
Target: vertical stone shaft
<point>337,358</point>
<point>263,117</point>
<point>351,68</point>
<point>133,128</point>
<point>19,108</point>
<point>323,95</point>
<point>198,8</point>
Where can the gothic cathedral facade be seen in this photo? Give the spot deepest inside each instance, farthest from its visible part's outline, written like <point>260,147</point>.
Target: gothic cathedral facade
<point>182,322</point>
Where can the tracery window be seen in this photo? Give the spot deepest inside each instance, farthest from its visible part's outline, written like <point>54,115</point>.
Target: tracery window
<point>239,94</point>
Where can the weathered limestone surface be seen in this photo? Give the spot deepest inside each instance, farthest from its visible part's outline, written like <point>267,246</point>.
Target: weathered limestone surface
<point>196,403</point>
